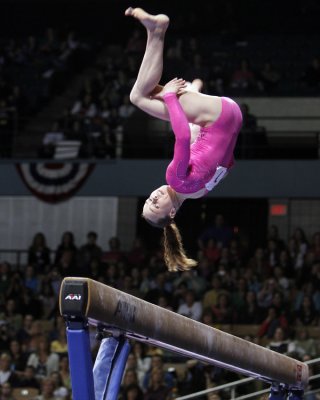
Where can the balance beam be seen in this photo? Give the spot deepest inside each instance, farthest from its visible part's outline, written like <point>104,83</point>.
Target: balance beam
<point>113,310</point>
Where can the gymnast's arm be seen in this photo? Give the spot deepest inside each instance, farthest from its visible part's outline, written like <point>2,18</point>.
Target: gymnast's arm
<point>181,130</point>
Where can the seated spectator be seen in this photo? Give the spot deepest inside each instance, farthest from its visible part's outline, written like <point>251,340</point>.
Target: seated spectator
<point>211,251</point>
<point>5,279</point>
<point>130,375</point>
<point>269,78</point>
<point>28,378</point>
<point>47,390</point>
<point>210,297</point>
<point>194,377</point>
<point>157,365</point>
<point>24,333</point>
<point>307,314</point>
<point>30,303</point>
<point>133,392</point>
<point>159,288</point>
<point>243,77</point>
<point>252,140</point>
<point>207,317</point>
<point>315,245</point>
<point>157,389</point>
<point>137,255</point>
<point>222,310</point>
<point>66,244</point>
<point>88,252</point>
<point>143,361</point>
<point>60,390</point>
<point>31,280</point>
<point>47,297</point>
<point>18,357</point>
<point>279,342</point>
<point>6,373</point>
<point>59,345</point>
<point>39,253</point>
<point>190,307</point>
<point>218,231</point>
<point>67,265</point>
<point>43,361</point>
<point>64,371</point>
<point>303,344</point>
<point>250,313</point>
<point>238,297</point>
<point>193,281</point>
<point>6,391</point>
<point>12,316</point>
<point>271,323</point>
<point>114,254</point>
<point>266,293</point>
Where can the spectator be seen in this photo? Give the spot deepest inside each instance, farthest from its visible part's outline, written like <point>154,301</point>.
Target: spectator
<point>18,357</point>
<point>269,78</point>
<point>39,253</point>
<point>64,371</point>
<point>7,392</point>
<point>59,345</point>
<point>24,333</point>
<point>158,365</point>
<point>47,390</point>
<point>60,390</point>
<point>243,77</point>
<point>190,307</point>
<point>210,297</point>
<point>6,374</point>
<point>307,314</point>
<point>271,323</point>
<point>47,297</point>
<point>157,390</point>
<point>28,379</point>
<point>133,392</point>
<point>31,280</point>
<point>43,361</point>
<point>219,231</point>
<point>114,254</point>
<point>222,310</point>
<point>303,345</point>
<point>66,245</point>
<point>250,313</point>
<point>279,342</point>
<point>89,252</point>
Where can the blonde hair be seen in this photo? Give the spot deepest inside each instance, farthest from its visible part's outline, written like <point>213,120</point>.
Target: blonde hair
<point>174,253</point>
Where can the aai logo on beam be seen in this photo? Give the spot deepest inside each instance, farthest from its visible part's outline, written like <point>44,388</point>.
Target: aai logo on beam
<point>71,296</point>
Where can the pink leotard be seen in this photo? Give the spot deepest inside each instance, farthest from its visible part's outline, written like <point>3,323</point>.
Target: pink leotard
<point>194,166</point>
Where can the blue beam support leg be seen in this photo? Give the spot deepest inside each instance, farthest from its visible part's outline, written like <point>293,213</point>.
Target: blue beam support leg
<point>80,362</point>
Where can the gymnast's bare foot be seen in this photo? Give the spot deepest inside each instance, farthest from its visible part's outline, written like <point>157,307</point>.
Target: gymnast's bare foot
<point>151,22</point>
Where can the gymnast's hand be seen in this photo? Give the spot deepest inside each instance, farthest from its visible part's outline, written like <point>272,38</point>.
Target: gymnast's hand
<point>174,86</point>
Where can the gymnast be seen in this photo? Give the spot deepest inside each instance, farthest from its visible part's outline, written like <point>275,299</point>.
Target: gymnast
<point>196,167</point>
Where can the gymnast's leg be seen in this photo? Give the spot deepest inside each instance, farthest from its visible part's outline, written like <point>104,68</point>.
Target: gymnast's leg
<point>152,64</point>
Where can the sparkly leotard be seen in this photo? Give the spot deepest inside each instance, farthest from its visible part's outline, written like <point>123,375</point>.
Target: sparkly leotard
<point>207,160</point>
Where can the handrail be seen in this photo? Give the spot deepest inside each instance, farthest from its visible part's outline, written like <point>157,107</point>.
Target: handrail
<point>240,382</point>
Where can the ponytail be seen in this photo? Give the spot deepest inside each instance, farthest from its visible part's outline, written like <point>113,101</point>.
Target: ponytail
<point>174,253</point>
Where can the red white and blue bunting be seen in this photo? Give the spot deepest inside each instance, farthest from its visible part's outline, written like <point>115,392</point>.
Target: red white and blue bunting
<point>54,182</point>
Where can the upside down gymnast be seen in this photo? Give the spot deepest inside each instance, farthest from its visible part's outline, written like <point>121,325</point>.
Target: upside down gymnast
<point>197,167</point>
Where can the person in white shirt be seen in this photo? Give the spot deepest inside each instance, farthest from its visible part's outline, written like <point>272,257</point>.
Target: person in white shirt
<point>190,307</point>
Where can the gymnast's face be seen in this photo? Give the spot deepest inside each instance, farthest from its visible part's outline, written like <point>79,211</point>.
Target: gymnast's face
<point>159,205</point>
